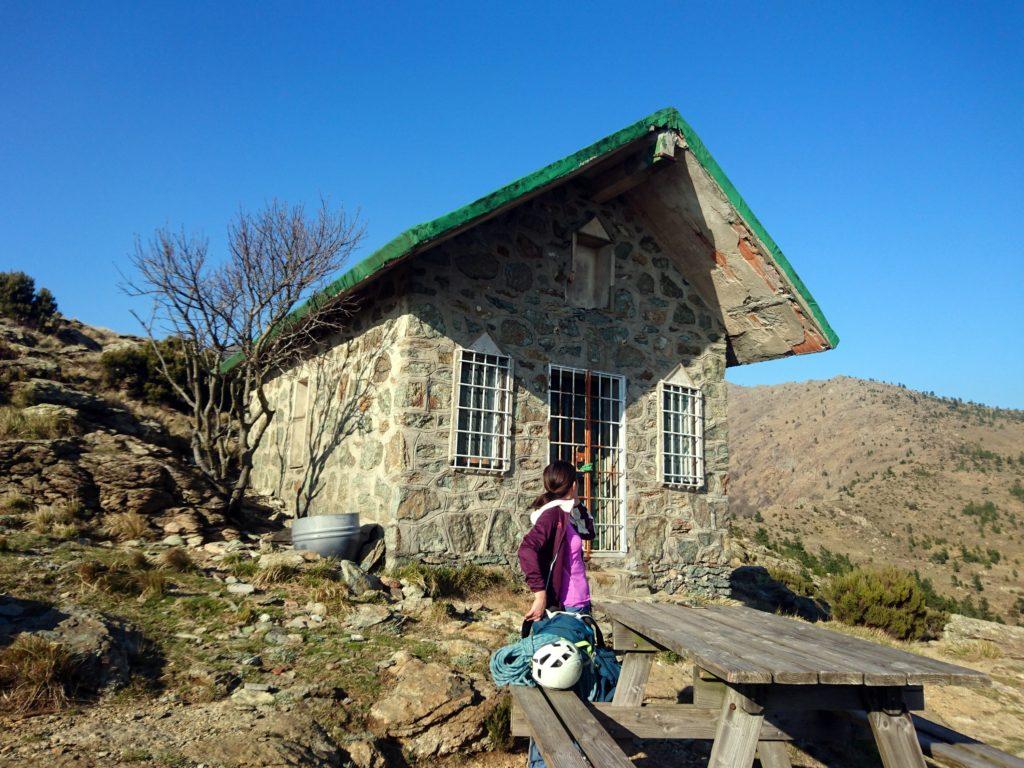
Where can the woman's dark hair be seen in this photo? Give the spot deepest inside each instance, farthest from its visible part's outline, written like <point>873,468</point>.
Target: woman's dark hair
<point>558,479</point>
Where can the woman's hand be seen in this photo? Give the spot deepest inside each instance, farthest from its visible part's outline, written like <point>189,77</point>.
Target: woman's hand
<point>540,602</point>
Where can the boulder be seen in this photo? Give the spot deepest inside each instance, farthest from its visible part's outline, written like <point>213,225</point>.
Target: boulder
<point>356,579</point>
<point>105,647</point>
<point>433,710</point>
<point>1009,640</point>
<point>364,754</point>
<point>183,521</point>
<point>247,697</point>
<point>366,616</point>
<point>371,552</point>
<point>38,390</point>
<point>129,481</point>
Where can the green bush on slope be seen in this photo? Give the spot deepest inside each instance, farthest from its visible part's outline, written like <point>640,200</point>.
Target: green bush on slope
<point>888,599</point>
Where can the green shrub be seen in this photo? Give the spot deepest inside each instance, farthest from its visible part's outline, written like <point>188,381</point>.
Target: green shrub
<point>137,371</point>
<point>888,599</point>
<point>798,583</point>
<point>499,724</point>
<point>1017,490</point>
<point>20,300</point>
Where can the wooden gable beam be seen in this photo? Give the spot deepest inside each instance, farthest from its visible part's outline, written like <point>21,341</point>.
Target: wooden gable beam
<point>634,169</point>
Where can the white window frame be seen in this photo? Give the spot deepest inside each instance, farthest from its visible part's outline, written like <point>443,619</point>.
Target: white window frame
<point>499,459</point>
<point>620,459</point>
<point>298,432</point>
<point>688,410</point>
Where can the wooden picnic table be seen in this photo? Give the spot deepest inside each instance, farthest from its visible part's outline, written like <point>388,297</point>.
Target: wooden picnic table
<point>761,669</point>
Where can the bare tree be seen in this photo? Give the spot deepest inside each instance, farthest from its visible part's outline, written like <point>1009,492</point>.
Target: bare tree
<point>240,321</point>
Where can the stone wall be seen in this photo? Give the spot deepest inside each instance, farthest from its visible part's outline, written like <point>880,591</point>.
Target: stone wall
<point>353,458</point>
<point>383,393</point>
<point>507,278</point>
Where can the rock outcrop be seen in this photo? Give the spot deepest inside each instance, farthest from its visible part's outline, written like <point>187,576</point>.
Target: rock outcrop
<point>106,454</point>
<point>1009,640</point>
<point>432,709</point>
<point>104,648</point>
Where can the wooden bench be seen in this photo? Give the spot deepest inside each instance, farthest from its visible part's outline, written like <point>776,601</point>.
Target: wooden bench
<point>944,746</point>
<point>949,747</point>
<point>565,730</point>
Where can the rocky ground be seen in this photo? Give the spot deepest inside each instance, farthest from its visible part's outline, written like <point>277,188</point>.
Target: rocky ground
<point>139,627</point>
<point>246,655</point>
<point>255,655</point>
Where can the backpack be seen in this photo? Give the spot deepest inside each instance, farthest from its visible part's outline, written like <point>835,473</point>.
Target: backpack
<point>602,673</point>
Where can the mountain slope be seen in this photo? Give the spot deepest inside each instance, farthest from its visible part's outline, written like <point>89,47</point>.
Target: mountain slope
<point>885,475</point>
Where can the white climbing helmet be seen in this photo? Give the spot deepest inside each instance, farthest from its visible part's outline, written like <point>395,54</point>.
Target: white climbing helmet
<point>557,665</point>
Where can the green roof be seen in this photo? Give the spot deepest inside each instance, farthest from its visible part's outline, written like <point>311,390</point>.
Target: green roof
<point>415,238</point>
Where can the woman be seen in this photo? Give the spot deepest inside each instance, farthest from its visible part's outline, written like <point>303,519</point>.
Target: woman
<point>551,554</point>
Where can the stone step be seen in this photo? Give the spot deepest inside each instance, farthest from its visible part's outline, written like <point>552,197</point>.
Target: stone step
<point>610,583</point>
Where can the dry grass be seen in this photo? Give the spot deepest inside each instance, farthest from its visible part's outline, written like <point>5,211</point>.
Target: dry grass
<point>16,504</point>
<point>245,613</point>
<point>275,574</point>
<point>37,676</point>
<point>123,579</point>
<point>972,650</point>
<point>334,594</point>
<point>461,581</point>
<point>238,565</point>
<point>17,424</point>
<point>126,526</point>
<point>177,559</point>
<point>151,584</point>
<point>62,521</point>
<point>137,561</point>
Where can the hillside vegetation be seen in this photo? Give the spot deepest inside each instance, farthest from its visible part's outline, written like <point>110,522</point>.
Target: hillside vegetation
<point>884,475</point>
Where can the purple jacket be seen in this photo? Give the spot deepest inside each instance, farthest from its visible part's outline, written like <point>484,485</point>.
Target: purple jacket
<point>541,544</point>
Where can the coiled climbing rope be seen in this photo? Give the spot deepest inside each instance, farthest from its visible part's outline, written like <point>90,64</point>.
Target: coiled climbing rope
<point>512,664</point>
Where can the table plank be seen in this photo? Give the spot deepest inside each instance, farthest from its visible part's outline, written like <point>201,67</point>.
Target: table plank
<point>678,721</point>
<point>858,658</point>
<point>601,748</point>
<point>786,665</point>
<point>667,634</point>
<point>833,666</point>
<point>962,744</point>
<point>893,661</point>
<point>553,742</point>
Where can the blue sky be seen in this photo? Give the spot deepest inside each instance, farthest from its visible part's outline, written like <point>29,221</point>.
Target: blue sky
<point>882,146</point>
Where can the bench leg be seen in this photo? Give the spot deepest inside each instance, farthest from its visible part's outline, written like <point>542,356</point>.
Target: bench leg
<point>629,691</point>
<point>773,754</point>
<point>739,725</point>
<point>893,729</point>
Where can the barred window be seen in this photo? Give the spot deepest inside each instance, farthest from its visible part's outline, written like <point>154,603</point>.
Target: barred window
<point>682,436</point>
<point>482,424</point>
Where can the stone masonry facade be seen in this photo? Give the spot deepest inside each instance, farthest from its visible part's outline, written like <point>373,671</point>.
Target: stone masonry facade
<point>382,407</point>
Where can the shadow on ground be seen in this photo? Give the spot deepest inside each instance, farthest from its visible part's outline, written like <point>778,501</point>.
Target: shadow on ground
<point>753,586</point>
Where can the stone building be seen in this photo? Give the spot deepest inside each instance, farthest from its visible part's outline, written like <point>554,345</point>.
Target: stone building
<point>587,311</point>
